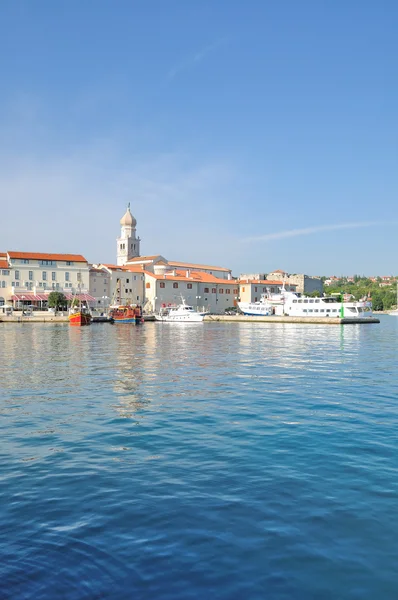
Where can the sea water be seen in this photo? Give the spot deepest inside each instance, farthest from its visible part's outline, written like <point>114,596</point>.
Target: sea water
<point>213,460</point>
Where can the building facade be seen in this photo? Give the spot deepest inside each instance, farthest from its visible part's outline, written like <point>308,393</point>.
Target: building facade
<point>27,278</point>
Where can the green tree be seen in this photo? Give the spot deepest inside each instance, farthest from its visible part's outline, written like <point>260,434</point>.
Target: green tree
<point>57,300</point>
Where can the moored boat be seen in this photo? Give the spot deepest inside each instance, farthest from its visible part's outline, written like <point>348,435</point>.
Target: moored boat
<point>126,314</point>
<point>79,317</point>
<point>181,313</point>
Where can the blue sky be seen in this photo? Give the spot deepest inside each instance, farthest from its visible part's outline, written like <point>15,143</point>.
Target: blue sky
<point>254,135</point>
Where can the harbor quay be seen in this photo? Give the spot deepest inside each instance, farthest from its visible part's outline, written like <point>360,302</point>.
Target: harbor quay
<point>44,317</point>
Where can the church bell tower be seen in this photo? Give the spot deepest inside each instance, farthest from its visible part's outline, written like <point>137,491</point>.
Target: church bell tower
<point>128,244</point>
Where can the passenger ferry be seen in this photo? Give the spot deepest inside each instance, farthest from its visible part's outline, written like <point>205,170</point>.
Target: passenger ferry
<point>296,306</point>
<point>293,304</point>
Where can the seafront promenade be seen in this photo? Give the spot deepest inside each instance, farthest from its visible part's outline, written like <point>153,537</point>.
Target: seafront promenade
<point>50,318</point>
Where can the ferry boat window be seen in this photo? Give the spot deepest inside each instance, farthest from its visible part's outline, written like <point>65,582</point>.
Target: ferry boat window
<point>322,310</point>
<point>316,310</point>
<point>328,310</point>
<point>334,310</point>
<point>294,301</point>
<point>310,310</point>
<point>310,301</point>
<point>300,301</point>
<point>317,301</point>
<point>305,310</point>
<point>305,301</point>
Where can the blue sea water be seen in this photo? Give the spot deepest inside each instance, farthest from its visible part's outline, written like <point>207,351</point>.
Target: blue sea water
<point>199,461</point>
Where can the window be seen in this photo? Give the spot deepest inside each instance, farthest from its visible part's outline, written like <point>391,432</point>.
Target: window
<point>221,291</point>
<point>189,286</point>
<point>16,274</point>
<point>67,276</point>
<point>44,276</point>
<point>213,290</point>
<point>30,275</point>
<point>17,284</point>
<point>162,284</point>
<point>78,276</point>
<point>3,284</point>
<point>25,261</point>
<point>95,289</point>
<point>255,289</point>
<point>236,291</point>
<point>135,277</point>
<point>294,301</point>
<point>53,276</point>
<point>69,263</point>
<point>264,290</point>
<point>175,285</point>
<point>227,291</point>
<point>255,299</point>
<point>243,289</point>
<point>126,292</point>
<point>272,290</point>
<point>206,290</point>
<point>127,280</point>
<point>5,272</point>
<point>147,285</point>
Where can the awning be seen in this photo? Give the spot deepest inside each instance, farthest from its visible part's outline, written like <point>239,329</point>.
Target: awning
<point>28,297</point>
<point>82,297</point>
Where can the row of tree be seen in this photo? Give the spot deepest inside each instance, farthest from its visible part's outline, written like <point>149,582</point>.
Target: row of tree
<point>383,298</point>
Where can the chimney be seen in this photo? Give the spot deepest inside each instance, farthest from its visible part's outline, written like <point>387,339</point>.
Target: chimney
<point>229,276</point>
<point>187,273</point>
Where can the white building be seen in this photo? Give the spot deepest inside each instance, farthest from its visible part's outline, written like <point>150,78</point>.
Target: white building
<point>199,289</point>
<point>27,278</point>
<point>116,285</point>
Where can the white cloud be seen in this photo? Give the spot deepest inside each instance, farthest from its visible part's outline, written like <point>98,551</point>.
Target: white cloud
<point>196,58</point>
<point>310,230</point>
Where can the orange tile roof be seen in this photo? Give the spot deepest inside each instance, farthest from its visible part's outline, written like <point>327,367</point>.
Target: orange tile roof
<point>113,267</point>
<point>195,276</point>
<point>193,266</point>
<point>133,268</point>
<point>142,258</point>
<point>46,256</point>
<point>3,264</point>
<point>262,282</point>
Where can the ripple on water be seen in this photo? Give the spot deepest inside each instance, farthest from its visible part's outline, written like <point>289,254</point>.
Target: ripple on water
<point>233,461</point>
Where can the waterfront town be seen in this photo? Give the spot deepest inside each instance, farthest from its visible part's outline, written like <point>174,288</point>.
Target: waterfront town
<point>27,279</point>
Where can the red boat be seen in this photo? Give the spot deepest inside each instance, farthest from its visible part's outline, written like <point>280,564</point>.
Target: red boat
<point>126,314</point>
<point>79,318</point>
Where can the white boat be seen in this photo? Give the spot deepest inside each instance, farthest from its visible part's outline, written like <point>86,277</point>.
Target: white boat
<point>262,308</point>
<point>292,304</point>
<point>183,313</point>
<point>329,306</point>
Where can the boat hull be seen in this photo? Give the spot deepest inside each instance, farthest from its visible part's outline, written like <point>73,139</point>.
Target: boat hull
<point>181,319</point>
<point>126,315</point>
<point>252,309</point>
<point>79,319</point>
